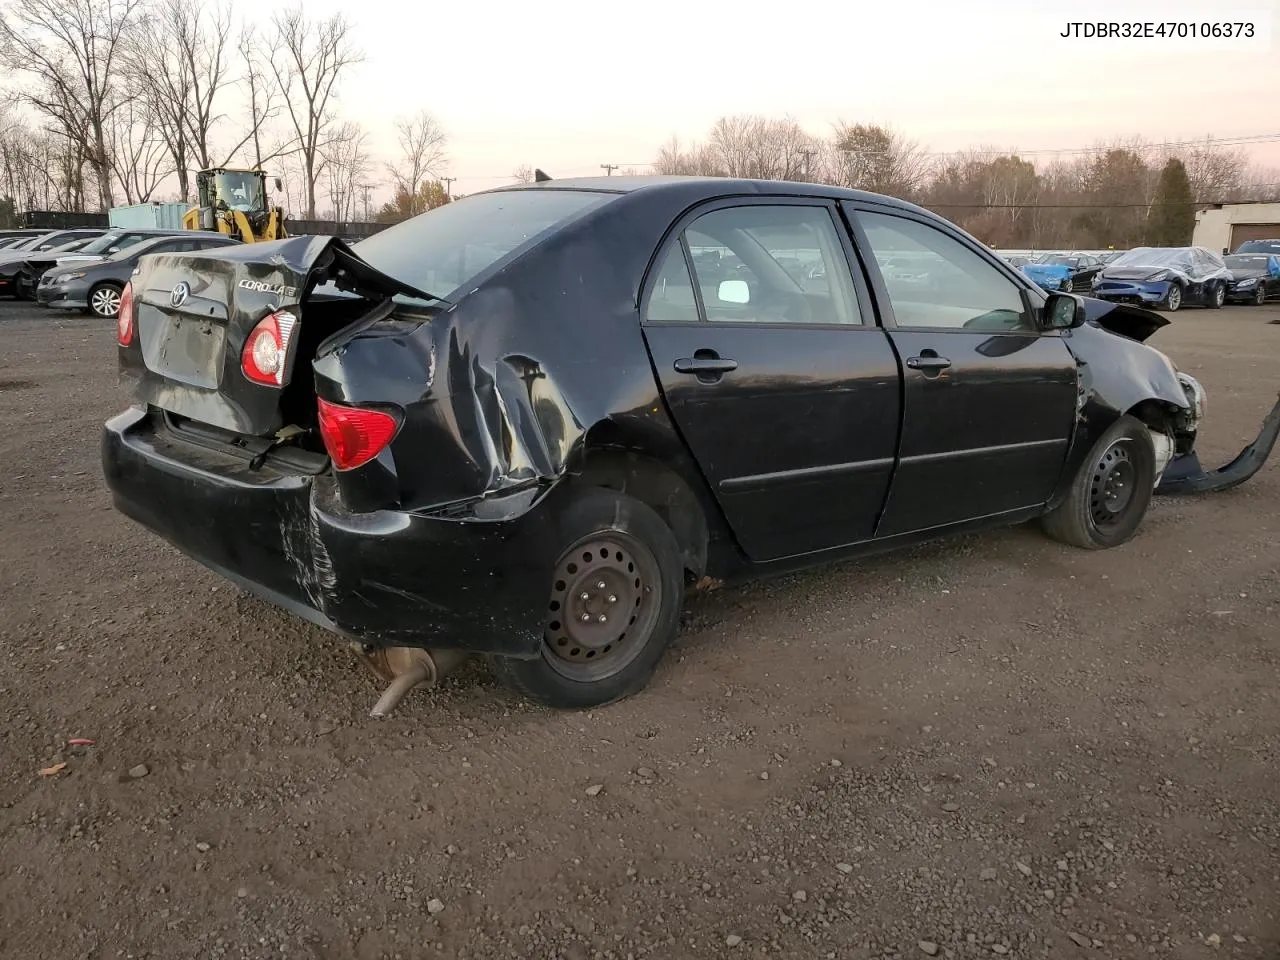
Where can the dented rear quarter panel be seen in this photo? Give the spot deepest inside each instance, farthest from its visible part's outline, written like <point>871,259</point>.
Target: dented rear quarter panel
<point>540,357</point>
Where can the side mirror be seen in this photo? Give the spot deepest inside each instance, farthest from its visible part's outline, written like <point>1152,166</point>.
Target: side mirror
<point>734,291</point>
<point>1063,311</point>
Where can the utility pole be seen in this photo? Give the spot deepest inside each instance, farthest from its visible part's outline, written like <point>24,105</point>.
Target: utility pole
<point>448,186</point>
<point>808,156</point>
<point>608,168</point>
<point>364,189</point>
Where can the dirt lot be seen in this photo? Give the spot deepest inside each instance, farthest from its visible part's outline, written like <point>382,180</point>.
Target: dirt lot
<point>994,746</point>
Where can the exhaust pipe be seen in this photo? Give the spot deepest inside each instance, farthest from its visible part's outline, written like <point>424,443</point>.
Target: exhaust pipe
<point>404,668</point>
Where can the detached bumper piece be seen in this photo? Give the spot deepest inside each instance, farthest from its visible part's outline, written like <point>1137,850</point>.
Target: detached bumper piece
<point>1186,475</point>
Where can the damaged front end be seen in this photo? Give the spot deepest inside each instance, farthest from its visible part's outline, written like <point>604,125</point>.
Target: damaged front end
<point>1117,378</point>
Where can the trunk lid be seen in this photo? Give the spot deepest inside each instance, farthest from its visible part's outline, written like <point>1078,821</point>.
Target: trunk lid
<point>193,313</point>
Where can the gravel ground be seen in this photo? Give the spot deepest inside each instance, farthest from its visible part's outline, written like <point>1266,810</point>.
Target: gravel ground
<point>994,746</point>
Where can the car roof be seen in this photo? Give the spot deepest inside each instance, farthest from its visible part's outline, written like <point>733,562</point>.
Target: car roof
<point>708,188</point>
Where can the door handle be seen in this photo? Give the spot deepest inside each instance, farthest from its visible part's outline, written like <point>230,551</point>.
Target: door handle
<point>928,361</point>
<point>705,365</point>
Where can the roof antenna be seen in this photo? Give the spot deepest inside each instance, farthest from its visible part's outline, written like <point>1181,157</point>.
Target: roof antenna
<point>540,176</point>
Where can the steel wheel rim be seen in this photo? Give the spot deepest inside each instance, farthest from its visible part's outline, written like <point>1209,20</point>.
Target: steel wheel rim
<point>619,616</point>
<point>106,302</point>
<point>1219,295</point>
<point>1112,486</point>
<point>1175,298</point>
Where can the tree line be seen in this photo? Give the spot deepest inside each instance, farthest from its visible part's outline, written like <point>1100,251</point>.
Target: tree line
<point>120,101</point>
<point>112,102</point>
<point>1122,193</point>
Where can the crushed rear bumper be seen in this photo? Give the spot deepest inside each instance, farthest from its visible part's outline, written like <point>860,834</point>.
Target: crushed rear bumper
<point>384,578</point>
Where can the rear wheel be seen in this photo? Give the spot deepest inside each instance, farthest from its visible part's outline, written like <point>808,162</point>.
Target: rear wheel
<point>104,301</point>
<point>613,606</point>
<point>1173,299</point>
<point>1110,492</point>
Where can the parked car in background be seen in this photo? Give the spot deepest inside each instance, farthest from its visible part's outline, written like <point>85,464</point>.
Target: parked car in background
<point>524,423</point>
<point>95,286</point>
<point>1165,277</point>
<point>1068,272</point>
<point>1257,277</point>
<point>99,248</point>
<point>64,241</point>
<point>1259,246</point>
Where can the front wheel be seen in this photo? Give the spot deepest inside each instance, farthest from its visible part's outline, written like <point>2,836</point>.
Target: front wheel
<point>1260,295</point>
<point>1172,299</point>
<point>613,606</point>
<point>104,301</point>
<point>1111,491</point>
<point>1218,296</point>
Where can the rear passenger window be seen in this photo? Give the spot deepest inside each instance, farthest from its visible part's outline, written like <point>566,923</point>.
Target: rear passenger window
<point>772,264</point>
<point>672,299</point>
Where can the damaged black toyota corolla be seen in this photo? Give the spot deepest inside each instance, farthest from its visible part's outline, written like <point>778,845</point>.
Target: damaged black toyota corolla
<point>523,424</point>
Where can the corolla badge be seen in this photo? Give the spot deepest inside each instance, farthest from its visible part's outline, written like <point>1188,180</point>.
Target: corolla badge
<point>178,296</point>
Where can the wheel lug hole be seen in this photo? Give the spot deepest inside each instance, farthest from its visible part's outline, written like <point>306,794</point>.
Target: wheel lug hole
<point>603,618</point>
<point>612,598</point>
<point>600,585</point>
<point>585,617</point>
<point>584,595</point>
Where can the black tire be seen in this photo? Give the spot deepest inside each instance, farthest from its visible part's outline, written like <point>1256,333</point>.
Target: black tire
<point>618,541</point>
<point>1217,296</point>
<point>101,298</point>
<point>1173,299</point>
<point>1260,295</point>
<point>1111,491</point>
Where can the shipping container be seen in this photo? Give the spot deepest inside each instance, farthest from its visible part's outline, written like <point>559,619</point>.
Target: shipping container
<point>156,216</point>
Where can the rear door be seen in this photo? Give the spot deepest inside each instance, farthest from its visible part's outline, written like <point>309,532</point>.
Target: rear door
<point>989,398</point>
<point>775,373</point>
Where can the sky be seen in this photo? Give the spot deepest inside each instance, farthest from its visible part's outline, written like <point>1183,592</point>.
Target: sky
<point>568,85</point>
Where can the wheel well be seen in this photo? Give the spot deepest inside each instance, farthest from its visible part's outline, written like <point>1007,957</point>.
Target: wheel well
<point>1154,414</point>
<point>659,487</point>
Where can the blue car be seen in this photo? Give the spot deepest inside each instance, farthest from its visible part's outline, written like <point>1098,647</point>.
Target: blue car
<point>1063,272</point>
<point>1053,277</point>
<point>1165,277</point>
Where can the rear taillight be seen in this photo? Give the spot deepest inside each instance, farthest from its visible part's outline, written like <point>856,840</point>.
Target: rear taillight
<point>354,435</point>
<point>267,349</point>
<point>124,316</point>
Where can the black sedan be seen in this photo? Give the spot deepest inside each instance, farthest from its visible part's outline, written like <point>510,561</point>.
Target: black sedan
<point>95,287</point>
<point>524,423</point>
<point>1257,277</point>
<point>12,258</point>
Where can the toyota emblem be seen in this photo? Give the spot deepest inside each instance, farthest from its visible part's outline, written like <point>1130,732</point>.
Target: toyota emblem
<point>179,294</point>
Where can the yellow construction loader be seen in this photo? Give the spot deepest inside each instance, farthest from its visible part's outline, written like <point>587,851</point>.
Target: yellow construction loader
<point>234,202</point>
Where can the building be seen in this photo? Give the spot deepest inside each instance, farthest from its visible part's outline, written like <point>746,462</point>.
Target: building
<point>1221,227</point>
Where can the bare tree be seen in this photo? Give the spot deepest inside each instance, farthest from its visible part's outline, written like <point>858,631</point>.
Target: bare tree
<point>871,157</point>
<point>263,96</point>
<point>70,50</point>
<point>522,174</point>
<point>140,156</point>
<point>314,56</point>
<point>347,163</point>
<point>422,154</point>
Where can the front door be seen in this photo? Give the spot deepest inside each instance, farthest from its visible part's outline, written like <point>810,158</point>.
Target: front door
<point>775,373</point>
<point>989,398</point>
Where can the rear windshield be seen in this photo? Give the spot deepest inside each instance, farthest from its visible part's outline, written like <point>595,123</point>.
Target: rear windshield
<point>441,250</point>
